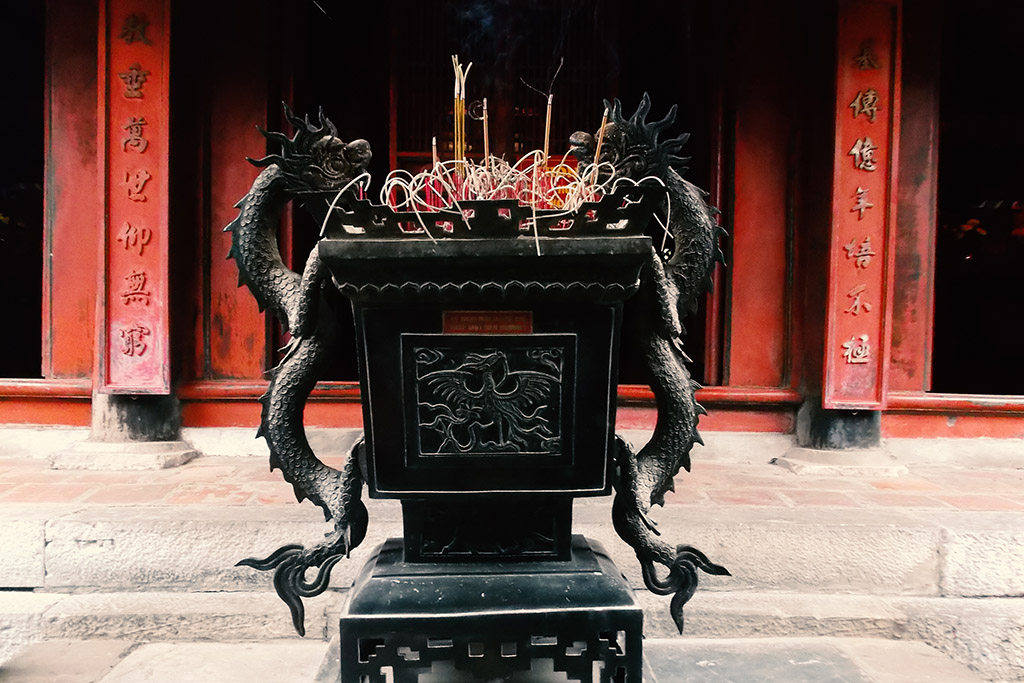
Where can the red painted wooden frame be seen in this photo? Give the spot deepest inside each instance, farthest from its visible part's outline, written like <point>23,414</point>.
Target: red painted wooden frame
<point>861,259</point>
<point>133,341</point>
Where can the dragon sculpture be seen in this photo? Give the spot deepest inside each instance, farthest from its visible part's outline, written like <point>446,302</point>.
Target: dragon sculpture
<point>307,304</point>
<point>671,283</point>
<point>313,160</point>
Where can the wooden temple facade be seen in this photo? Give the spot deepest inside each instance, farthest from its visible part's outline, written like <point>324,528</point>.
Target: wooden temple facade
<point>874,265</point>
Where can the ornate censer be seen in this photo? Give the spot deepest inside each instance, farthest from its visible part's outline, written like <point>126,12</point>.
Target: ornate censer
<point>488,344</point>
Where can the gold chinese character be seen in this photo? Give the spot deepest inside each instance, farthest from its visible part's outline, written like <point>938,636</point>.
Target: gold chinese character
<point>857,306</point>
<point>857,351</point>
<point>862,204</point>
<point>134,237</point>
<point>133,79</point>
<point>863,153</point>
<point>135,291</point>
<point>132,340</point>
<point>865,59</point>
<point>862,252</point>
<point>866,102</point>
<point>135,181</point>
<point>134,30</point>
<point>135,139</point>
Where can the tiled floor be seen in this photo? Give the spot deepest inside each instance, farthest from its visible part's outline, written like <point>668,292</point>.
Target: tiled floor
<point>247,481</point>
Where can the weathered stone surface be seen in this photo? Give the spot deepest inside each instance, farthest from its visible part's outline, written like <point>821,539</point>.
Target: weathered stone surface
<point>799,550</point>
<point>984,634</point>
<point>183,546</point>
<point>973,453</point>
<point>21,562</point>
<point>192,547</point>
<point>887,661</point>
<point>23,539</point>
<point>330,667</point>
<point>279,661</point>
<point>65,661</point>
<point>165,616</point>
<point>798,660</point>
<point>869,462</point>
<point>983,553</point>
<point>753,447</point>
<point>123,455</point>
<point>711,614</point>
<point>20,620</point>
<point>37,442</point>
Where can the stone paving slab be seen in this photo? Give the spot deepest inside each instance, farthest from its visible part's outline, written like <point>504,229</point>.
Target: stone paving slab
<point>20,619</point>
<point>782,549</point>
<point>278,661</point>
<point>797,660</point>
<point>764,660</point>
<point>65,661</point>
<point>987,633</point>
<point>166,547</point>
<point>167,616</point>
<point>810,549</point>
<point>983,553</point>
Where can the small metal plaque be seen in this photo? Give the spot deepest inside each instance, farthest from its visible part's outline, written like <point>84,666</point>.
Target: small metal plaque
<point>488,322</point>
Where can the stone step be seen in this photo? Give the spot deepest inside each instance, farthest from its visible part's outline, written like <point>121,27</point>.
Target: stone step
<point>771,660</point>
<point>985,633</point>
<point>815,550</point>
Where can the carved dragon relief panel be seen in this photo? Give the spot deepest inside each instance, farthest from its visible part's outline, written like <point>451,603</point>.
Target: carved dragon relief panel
<point>493,401</point>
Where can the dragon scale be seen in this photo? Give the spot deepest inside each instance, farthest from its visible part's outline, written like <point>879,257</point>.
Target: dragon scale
<point>313,160</point>
<point>670,286</point>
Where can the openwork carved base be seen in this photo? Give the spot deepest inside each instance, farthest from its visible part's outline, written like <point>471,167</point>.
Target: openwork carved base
<point>573,621</point>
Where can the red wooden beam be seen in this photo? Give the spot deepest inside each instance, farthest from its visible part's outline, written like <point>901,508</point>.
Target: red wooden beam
<point>917,193</point>
<point>758,218</point>
<point>69,264</point>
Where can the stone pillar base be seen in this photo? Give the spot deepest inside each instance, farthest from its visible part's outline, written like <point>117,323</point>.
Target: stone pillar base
<point>123,455</point>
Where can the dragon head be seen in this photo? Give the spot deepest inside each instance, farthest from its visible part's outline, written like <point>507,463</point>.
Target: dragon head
<point>315,159</point>
<point>631,145</point>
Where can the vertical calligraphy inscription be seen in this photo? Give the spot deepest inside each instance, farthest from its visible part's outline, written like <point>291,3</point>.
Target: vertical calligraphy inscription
<point>133,237</point>
<point>865,59</point>
<point>863,153</point>
<point>134,78</point>
<point>858,305</point>
<point>136,181</point>
<point>133,30</point>
<point>862,204</point>
<point>490,401</point>
<point>857,351</point>
<point>133,340</point>
<point>135,140</point>
<point>135,288</point>
<point>866,128</point>
<point>867,103</point>
<point>134,58</point>
<point>861,253</point>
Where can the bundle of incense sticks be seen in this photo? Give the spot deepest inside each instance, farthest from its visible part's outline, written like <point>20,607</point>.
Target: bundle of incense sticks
<point>459,108</point>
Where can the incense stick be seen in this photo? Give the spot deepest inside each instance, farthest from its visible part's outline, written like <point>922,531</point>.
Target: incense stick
<point>455,109</point>
<point>547,129</point>
<point>462,114</point>
<point>487,140</point>
<point>600,141</point>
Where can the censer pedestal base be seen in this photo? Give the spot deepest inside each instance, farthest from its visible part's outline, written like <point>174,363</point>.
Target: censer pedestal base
<point>571,620</point>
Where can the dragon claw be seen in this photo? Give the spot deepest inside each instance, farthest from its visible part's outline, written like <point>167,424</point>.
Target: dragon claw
<point>290,563</point>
